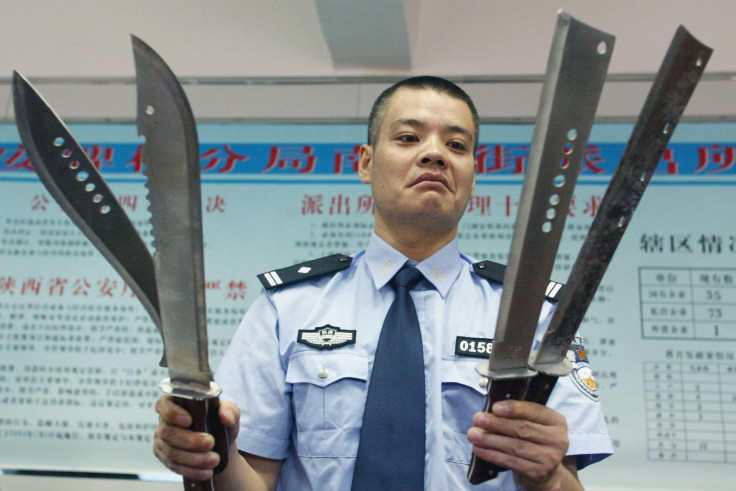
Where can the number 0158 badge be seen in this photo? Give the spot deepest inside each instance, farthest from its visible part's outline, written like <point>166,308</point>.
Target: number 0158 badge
<point>478,347</point>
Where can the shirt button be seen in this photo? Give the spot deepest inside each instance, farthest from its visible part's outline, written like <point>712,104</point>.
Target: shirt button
<point>323,373</point>
<point>483,382</point>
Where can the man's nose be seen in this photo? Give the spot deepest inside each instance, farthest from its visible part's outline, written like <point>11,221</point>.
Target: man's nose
<point>433,153</point>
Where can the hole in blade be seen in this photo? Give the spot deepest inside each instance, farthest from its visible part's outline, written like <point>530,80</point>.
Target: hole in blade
<point>547,227</point>
<point>104,209</point>
<point>150,110</point>
<point>58,141</point>
<point>82,176</point>
<point>89,187</point>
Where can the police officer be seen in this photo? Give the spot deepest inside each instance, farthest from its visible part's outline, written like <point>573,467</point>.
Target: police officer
<point>299,365</point>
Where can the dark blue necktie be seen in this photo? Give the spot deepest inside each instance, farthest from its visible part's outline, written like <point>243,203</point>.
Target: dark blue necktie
<point>391,450</point>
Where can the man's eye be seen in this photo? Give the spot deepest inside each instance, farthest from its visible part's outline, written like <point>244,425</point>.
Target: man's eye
<point>408,138</point>
<point>457,146</point>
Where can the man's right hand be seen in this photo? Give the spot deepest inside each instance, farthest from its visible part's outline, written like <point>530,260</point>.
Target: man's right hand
<point>187,452</point>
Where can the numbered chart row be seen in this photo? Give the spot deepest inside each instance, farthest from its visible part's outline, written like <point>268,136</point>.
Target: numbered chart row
<point>688,329</point>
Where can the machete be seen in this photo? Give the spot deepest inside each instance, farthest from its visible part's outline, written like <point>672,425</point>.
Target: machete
<point>172,168</point>
<point>675,82</point>
<point>74,182</point>
<point>576,70</point>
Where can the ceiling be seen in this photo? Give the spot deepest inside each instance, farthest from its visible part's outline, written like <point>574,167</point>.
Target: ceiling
<point>75,43</point>
<point>328,38</point>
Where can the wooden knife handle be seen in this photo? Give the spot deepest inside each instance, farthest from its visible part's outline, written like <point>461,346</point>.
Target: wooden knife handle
<point>205,419</point>
<point>499,390</point>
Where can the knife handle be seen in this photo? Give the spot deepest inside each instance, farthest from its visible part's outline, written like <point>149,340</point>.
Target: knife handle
<point>205,418</point>
<point>540,387</point>
<point>499,390</point>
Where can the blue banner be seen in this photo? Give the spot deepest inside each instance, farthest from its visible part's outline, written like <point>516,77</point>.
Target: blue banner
<point>341,159</point>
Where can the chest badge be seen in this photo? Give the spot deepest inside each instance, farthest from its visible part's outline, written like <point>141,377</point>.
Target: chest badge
<point>326,337</point>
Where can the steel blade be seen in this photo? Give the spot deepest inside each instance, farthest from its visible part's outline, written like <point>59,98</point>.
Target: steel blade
<point>74,182</point>
<point>171,157</point>
<point>576,70</point>
<point>671,90</point>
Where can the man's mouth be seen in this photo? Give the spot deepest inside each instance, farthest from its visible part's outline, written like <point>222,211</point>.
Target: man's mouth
<point>432,177</point>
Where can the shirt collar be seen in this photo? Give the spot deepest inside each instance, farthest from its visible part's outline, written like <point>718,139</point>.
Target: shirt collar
<point>441,268</point>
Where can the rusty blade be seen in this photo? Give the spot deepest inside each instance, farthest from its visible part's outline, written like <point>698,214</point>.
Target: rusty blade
<point>675,82</point>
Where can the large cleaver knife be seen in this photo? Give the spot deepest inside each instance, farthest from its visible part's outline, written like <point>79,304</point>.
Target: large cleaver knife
<point>675,82</point>
<point>172,167</point>
<point>576,71</point>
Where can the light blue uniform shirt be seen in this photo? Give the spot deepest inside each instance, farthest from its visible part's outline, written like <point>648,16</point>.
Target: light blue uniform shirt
<point>305,404</point>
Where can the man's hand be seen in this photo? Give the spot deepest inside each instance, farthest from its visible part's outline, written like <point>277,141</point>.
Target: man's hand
<point>529,439</point>
<point>187,452</point>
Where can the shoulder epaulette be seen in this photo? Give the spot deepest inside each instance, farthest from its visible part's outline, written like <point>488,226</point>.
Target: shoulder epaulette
<point>495,272</point>
<point>303,271</point>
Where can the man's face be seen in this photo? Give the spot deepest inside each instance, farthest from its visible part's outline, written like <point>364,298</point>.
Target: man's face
<point>422,168</point>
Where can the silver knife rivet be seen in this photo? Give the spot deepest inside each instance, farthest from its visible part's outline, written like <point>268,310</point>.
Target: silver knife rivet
<point>343,259</point>
<point>483,382</point>
<point>323,373</point>
<point>482,266</point>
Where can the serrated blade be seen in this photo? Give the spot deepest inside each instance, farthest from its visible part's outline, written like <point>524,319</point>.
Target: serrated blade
<point>171,157</point>
<point>74,182</point>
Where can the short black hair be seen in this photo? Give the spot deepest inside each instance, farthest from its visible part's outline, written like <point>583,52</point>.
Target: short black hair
<point>441,85</point>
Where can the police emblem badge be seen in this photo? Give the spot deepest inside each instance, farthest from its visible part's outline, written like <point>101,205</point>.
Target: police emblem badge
<point>326,337</point>
<point>582,375</point>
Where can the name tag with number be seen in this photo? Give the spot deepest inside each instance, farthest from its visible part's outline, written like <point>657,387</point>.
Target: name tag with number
<point>478,347</point>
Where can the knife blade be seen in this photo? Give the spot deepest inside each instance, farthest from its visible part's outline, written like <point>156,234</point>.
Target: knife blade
<point>76,185</point>
<point>675,82</point>
<point>170,154</point>
<point>576,70</point>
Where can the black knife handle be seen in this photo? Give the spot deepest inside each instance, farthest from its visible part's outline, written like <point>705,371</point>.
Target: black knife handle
<point>499,390</point>
<point>205,418</point>
<point>540,387</point>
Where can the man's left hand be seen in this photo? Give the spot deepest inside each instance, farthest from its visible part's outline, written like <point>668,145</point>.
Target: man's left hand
<point>527,438</point>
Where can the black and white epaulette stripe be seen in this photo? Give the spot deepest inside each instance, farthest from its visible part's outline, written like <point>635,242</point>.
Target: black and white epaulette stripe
<point>495,272</point>
<point>303,271</point>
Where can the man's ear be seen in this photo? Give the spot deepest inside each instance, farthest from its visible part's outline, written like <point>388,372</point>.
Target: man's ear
<point>365,163</point>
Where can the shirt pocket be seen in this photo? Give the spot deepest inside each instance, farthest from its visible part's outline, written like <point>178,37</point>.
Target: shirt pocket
<point>462,397</point>
<point>328,400</point>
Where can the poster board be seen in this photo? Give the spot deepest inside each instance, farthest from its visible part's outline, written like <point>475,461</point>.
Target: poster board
<point>78,355</point>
